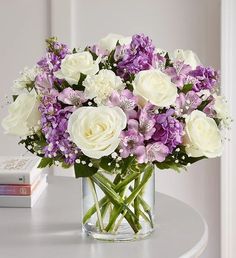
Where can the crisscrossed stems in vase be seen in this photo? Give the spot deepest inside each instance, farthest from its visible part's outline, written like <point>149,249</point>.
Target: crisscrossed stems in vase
<point>119,206</point>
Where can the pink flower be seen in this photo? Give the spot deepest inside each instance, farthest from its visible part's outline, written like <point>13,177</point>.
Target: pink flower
<point>152,152</point>
<point>72,97</point>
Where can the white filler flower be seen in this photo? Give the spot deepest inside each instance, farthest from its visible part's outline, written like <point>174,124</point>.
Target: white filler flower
<point>101,85</point>
<point>23,116</point>
<point>75,64</point>
<point>27,77</point>
<point>96,130</point>
<point>156,87</point>
<point>202,136</point>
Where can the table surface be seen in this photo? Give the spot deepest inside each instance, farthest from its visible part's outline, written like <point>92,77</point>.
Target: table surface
<point>52,229</point>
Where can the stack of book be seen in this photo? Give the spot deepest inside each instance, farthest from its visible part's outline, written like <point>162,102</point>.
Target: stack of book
<point>21,182</point>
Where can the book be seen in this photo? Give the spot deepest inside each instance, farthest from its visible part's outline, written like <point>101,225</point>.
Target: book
<point>13,189</point>
<point>24,201</point>
<point>19,170</point>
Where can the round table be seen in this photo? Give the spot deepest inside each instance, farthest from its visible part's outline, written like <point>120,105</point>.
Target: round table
<point>52,229</point>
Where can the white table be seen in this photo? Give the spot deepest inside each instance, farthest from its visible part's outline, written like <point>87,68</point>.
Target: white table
<point>52,229</point>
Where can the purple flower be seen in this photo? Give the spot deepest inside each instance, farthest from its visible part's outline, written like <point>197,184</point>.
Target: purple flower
<point>206,77</point>
<point>152,152</point>
<point>44,83</point>
<point>186,103</point>
<point>52,61</point>
<point>125,100</point>
<point>137,56</point>
<point>54,121</point>
<point>72,97</point>
<point>98,51</point>
<point>169,130</point>
<point>131,139</point>
<point>147,121</point>
<point>178,73</point>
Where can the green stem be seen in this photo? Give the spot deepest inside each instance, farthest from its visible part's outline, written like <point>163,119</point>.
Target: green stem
<point>130,198</point>
<point>136,200</point>
<point>94,193</point>
<point>118,188</point>
<point>145,206</point>
<point>117,201</point>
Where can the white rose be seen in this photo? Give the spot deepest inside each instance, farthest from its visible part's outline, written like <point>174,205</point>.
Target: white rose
<point>23,116</point>
<point>75,64</point>
<point>96,130</point>
<point>222,109</point>
<point>156,87</point>
<point>101,85</point>
<point>202,136</point>
<point>187,56</point>
<point>109,42</point>
<point>27,77</point>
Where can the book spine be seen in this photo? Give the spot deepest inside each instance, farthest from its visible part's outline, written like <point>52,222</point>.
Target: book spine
<point>14,178</point>
<point>20,190</point>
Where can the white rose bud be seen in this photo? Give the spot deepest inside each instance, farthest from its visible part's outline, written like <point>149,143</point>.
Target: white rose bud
<point>222,110</point>
<point>202,136</point>
<point>156,87</point>
<point>96,130</point>
<point>187,56</point>
<point>23,115</point>
<point>75,64</point>
<point>101,85</point>
<point>109,42</point>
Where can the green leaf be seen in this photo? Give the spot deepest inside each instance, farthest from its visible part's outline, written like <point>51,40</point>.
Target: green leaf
<point>104,164</point>
<point>84,170</point>
<point>45,162</point>
<point>187,88</point>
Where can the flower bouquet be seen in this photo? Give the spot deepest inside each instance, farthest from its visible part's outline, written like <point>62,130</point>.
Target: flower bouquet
<point>115,111</point>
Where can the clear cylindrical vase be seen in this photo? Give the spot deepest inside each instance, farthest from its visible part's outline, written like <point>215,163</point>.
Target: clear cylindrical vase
<point>119,207</point>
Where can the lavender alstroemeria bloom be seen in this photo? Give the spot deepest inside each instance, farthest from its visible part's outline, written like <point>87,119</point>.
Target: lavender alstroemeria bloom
<point>186,103</point>
<point>98,51</point>
<point>152,152</point>
<point>147,121</point>
<point>130,139</point>
<point>125,100</point>
<point>206,77</point>
<point>169,130</point>
<point>178,73</point>
<point>43,83</point>
<point>72,97</point>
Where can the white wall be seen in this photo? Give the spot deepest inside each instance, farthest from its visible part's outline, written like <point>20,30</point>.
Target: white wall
<point>188,24</point>
<point>172,24</point>
<point>24,25</point>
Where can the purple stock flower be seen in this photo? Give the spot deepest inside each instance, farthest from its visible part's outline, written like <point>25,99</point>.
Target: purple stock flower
<point>52,62</point>
<point>169,130</point>
<point>125,100</point>
<point>186,103</point>
<point>54,121</point>
<point>178,73</point>
<point>72,97</point>
<point>206,77</point>
<point>139,55</point>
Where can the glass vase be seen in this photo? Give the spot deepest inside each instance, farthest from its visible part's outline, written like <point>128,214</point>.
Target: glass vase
<point>119,207</point>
